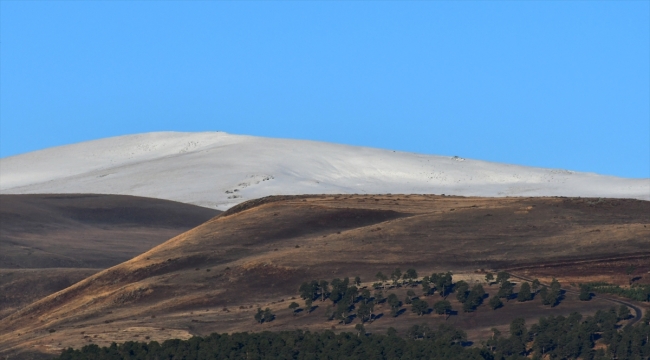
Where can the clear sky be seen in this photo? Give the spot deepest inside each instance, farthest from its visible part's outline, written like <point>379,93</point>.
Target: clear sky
<point>554,83</point>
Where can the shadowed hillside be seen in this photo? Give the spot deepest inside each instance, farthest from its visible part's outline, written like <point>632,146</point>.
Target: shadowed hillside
<point>87,231</point>
<point>49,242</point>
<point>214,276</point>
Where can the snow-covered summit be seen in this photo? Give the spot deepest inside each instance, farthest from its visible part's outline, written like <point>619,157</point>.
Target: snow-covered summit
<point>219,170</point>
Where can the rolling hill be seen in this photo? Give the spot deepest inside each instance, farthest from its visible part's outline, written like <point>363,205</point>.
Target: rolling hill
<point>49,242</point>
<point>103,270</point>
<point>219,170</point>
<point>213,277</point>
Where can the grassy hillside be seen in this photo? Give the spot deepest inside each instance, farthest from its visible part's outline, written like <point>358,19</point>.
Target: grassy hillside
<point>213,277</point>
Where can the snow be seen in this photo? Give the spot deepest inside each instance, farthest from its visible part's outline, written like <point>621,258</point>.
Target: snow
<point>219,170</point>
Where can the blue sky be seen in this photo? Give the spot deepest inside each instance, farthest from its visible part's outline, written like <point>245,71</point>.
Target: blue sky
<point>551,84</point>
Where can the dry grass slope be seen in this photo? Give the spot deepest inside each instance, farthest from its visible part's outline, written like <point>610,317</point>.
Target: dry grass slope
<point>258,253</point>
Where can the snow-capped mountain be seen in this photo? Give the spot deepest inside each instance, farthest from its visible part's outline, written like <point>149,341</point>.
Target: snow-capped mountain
<point>219,170</point>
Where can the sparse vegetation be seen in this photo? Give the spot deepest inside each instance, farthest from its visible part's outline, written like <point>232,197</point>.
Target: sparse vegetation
<point>489,278</point>
<point>348,300</point>
<point>635,292</point>
<point>262,316</point>
<point>294,307</point>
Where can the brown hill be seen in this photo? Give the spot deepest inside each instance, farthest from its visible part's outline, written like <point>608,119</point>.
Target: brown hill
<point>214,276</point>
<point>87,230</point>
<point>49,242</point>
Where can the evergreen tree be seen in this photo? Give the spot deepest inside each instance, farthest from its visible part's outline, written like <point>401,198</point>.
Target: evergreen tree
<point>259,316</point>
<point>410,275</point>
<point>305,290</point>
<point>342,311</point>
<point>426,287</point>
<point>324,289</point>
<point>553,295</point>
<point>495,303</point>
<point>268,315</point>
<point>535,285</point>
<point>478,289</point>
<point>351,294</point>
<point>518,336</point>
<point>443,282</point>
<point>474,298</point>
<point>411,294</point>
<point>394,303</point>
<point>442,307</point>
<point>294,306</point>
<point>338,289</point>
<point>420,307</point>
<point>379,296</point>
<point>506,290</point>
<point>502,277</point>
<point>524,293</point>
<point>585,294</point>
<point>396,275</point>
<point>264,316</point>
<point>489,278</point>
<point>381,277</point>
<point>363,312</point>
<point>361,330</point>
<point>543,294</point>
<point>365,296</point>
<point>555,285</point>
<point>462,290</point>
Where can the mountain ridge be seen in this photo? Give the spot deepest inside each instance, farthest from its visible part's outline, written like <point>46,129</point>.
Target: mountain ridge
<point>219,170</point>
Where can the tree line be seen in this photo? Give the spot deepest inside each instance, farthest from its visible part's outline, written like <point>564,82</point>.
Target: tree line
<point>637,292</point>
<point>348,300</point>
<point>553,337</point>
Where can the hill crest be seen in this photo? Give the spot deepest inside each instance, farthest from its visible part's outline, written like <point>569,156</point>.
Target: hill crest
<point>219,170</point>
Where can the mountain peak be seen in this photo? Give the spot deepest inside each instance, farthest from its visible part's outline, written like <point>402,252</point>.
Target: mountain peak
<point>220,170</point>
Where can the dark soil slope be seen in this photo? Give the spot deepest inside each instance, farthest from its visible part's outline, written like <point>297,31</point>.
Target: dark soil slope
<point>49,242</point>
<point>87,231</point>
